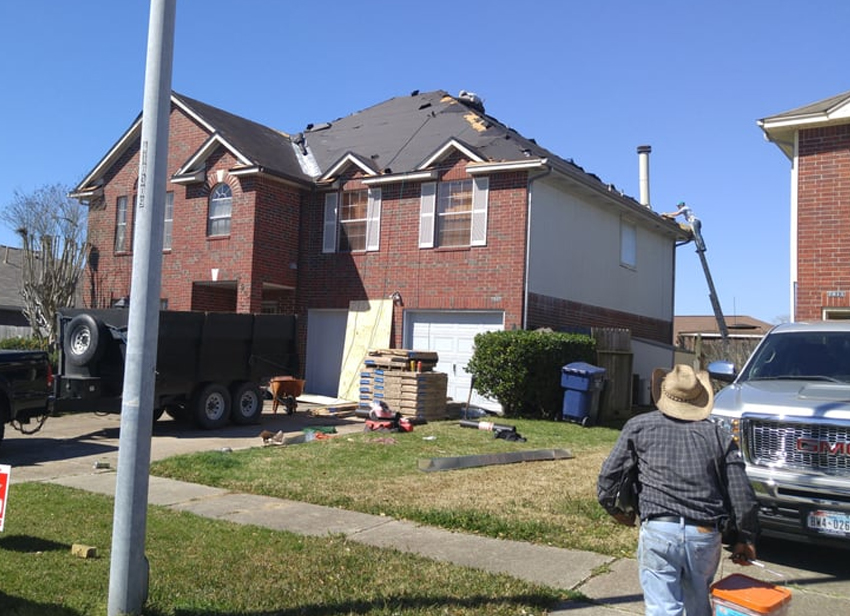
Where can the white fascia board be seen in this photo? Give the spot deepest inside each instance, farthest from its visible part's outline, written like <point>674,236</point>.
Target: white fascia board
<point>117,150</point>
<point>345,161</point>
<point>449,145</point>
<point>513,165</point>
<point>415,176</point>
<point>208,147</point>
<point>176,101</point>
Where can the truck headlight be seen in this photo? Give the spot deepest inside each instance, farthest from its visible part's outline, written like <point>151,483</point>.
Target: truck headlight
<point>732,425</point>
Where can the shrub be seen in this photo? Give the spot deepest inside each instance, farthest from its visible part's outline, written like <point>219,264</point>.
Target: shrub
<point>30,343</point>
<point>522,369</point>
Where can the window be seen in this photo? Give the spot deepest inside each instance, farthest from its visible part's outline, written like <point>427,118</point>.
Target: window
<point>355,225</point>
<point>352,220</point>
<point>221,205</point>
<point>169,221</point>
<point>454,213</point>
<point>121,234</point>
<point>628,244</point>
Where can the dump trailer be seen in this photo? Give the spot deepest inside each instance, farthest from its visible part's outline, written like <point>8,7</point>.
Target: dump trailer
<point>209,366</point>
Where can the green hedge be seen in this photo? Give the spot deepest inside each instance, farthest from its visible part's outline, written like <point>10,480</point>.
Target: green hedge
<point>522,369</point>
<point>30,343</point>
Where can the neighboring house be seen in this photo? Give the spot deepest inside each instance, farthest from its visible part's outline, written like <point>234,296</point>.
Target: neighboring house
<point>12,320</point>
<point>816,139</point>
<point>700,337</point>
<point>425,198</point>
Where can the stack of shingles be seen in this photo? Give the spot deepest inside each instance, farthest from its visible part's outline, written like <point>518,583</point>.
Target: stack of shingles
<point>406,381</point>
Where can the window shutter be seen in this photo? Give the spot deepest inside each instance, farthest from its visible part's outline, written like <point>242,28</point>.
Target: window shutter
<point>329,236</point>
<point>426,215</point>
<point>480,194</point>
<point>373,220</point>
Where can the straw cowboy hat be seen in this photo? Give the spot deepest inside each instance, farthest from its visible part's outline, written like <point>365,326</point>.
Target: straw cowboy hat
<point>682,393</point>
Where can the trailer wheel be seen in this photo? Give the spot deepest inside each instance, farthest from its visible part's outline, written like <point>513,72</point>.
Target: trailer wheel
<point>212,406</point>
<point>84,341</point>
<point>247,403</point>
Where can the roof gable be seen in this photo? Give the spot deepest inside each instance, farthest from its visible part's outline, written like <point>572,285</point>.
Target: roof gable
<point>781,128</point>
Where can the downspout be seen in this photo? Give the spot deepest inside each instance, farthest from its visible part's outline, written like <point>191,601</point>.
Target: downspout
<point>529,191</point>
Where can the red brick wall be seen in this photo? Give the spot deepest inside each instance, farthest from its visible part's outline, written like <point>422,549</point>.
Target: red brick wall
<point>544,311</point>
<point>468,278</point>
<point>823,221</point>
<point>259,249</point>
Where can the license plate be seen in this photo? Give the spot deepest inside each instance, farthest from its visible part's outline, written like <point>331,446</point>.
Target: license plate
<point>829,522</point>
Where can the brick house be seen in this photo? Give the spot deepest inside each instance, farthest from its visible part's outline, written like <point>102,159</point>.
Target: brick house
<point>816,139</point>
<point>424,198</point>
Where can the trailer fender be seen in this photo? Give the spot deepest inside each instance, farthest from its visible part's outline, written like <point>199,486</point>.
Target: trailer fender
<point>84,340</point>
<point>211,406</point>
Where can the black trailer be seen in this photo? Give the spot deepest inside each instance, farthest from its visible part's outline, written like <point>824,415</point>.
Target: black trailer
<point>209,365</point>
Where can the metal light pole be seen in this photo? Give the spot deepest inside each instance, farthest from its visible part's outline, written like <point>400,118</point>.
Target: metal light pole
<point>128,575</point>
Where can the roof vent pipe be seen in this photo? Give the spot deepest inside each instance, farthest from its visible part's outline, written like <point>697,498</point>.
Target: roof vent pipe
<point>643,161</point>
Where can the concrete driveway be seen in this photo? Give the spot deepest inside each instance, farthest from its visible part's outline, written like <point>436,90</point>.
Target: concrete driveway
<point>74,444</point>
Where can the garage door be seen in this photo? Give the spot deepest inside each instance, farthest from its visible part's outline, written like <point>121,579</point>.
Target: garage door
<point>325,341</point>
<point>452,336</point>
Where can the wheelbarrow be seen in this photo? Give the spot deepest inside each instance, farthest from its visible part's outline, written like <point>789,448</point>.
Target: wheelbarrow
<point>285,390</point>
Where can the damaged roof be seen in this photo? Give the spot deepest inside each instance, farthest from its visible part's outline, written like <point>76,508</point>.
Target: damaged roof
<point>398,136</point>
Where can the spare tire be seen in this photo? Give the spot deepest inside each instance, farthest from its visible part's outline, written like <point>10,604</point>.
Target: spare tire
<point>84,340</point>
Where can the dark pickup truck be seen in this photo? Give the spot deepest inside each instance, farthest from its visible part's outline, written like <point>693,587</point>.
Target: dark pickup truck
<point>26,383</point>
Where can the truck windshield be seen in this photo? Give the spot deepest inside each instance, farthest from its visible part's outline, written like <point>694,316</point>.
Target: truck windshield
<point>801,355</point>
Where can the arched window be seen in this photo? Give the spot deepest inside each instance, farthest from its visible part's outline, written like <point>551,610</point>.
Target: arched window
<point>221,204</point>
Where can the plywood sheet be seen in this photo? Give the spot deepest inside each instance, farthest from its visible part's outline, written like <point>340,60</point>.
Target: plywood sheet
<point>369,327</point>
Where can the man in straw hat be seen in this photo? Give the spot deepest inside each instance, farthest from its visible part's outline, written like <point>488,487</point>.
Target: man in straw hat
<point>691,479</point>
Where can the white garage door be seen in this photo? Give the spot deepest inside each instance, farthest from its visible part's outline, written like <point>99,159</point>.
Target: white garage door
<point>452,336</point>
<point>325,342</point>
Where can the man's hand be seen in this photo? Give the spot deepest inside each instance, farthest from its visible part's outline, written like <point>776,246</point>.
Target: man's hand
<point>742,553</point>
<point>626,519</point>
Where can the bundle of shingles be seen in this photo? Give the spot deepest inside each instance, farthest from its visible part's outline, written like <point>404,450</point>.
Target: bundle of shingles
<point>406,381</point>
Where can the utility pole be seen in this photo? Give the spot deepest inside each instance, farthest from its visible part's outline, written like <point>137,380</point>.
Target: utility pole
<point>129,572</point>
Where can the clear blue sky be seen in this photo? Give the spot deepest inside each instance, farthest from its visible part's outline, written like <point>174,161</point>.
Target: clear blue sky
<point>588,80</point>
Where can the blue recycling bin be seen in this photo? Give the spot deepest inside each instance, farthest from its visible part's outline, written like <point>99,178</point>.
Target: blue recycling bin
<point>582,383</point>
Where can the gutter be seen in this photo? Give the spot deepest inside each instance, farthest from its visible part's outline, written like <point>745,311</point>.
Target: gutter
<point>529,190</point>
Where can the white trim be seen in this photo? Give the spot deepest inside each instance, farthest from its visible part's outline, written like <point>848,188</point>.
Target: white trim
<point>516,165</point>
<point>373,220</point>
<point>427,215</point>
<point>451,144</point>
<point>330,220</point>
<point>345,161</point>
<point>480,203</point>
<point>795,166</point>
<point>207,148</point>
<point>401,177</point>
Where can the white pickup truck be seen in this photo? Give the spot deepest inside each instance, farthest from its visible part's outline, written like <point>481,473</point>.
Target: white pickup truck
<point>789,408</point>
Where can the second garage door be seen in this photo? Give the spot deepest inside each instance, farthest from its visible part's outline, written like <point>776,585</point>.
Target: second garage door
<point>452,336</point>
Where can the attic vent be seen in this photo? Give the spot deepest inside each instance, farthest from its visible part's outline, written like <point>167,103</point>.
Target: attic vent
<point>471,99</point>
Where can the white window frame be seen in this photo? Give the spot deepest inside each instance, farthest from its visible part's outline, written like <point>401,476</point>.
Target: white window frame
<point>628,244</point>
<point>122,228</point>
<point>331,222</point>
<point>218,217</point>
<point>429,214</point>
<point>168,222</point>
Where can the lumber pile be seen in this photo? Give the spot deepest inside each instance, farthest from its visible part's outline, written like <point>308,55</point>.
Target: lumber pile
<point>406,381</point>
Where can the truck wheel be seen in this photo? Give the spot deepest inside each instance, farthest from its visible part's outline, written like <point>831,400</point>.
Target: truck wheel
<point>83,340</point>
<point>212,406</point>
<point>247,403</point>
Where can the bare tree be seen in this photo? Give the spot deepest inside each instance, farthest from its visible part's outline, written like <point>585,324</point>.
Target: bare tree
<point>52,227</point>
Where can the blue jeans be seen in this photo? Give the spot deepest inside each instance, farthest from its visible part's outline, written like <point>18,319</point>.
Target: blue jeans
<point>677,563</point>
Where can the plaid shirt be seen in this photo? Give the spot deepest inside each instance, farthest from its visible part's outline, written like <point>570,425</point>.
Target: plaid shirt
<point>678,463</point>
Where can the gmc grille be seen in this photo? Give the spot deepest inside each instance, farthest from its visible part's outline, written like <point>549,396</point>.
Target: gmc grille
<point>820,448</point>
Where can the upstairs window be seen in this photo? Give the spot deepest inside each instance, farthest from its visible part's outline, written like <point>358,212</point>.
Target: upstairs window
<point>169,221</point>
<point>221,206</point>
<point>352,221</point>
<point>122,236</point>
<point>454,213</point>
<point>628,244</point>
